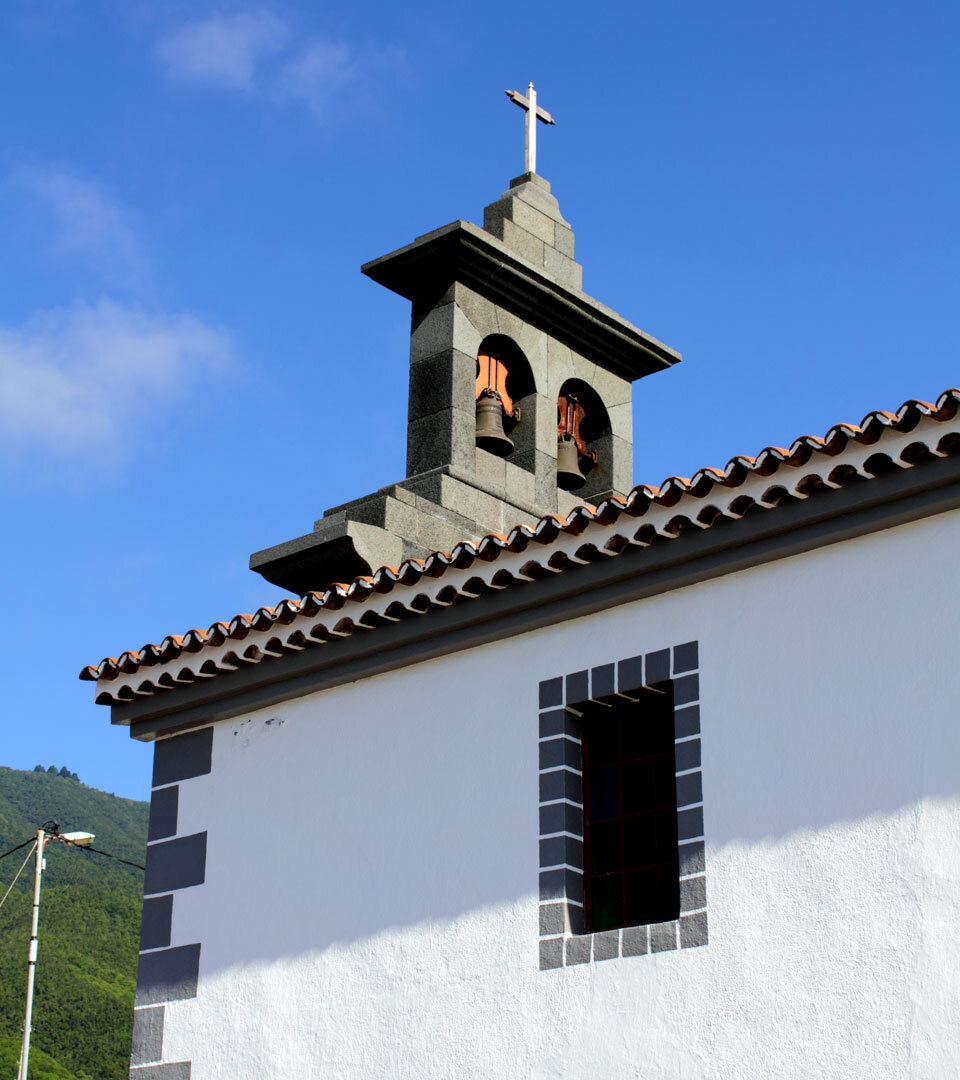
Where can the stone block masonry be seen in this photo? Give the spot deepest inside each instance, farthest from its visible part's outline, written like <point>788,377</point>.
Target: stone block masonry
<point>514,290</point>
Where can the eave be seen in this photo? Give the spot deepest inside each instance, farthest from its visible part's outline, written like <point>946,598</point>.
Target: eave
<point>463,252</point>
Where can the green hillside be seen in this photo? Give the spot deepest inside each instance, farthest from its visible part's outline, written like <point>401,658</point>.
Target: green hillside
<point>89,929</point>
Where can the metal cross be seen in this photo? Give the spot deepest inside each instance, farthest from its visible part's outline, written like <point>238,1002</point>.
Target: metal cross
<point>534,113</point>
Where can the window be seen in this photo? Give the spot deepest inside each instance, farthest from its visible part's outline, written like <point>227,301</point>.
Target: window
<point>622,852</point>
<point>631,863</point>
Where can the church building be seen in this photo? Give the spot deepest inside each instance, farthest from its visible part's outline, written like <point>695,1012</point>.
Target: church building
<point>541,773</point>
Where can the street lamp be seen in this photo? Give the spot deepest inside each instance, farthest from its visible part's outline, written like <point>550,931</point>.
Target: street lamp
<point>49,830</point>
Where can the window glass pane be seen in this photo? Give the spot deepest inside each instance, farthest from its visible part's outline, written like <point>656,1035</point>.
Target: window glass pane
<point>604,841</point>
<point>642,897</point>
<point>604,786</point>
<point>604,741</point>
<point>640,786</point>
<point>607,906</point>
<point>640,841</point>
<point>637,738</point>
<point>630,813</point>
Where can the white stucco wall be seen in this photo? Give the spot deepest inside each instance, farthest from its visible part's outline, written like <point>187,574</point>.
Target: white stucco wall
<point>370,905</point>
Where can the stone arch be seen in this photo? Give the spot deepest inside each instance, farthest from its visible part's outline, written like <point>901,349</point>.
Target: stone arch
<point>596,432</point>
<point>522,390</point>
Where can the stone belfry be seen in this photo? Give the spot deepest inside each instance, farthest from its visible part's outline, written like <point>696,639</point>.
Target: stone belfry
<point>512,367</point>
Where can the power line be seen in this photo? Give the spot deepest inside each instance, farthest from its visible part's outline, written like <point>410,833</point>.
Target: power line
<point>18,847</point>
<point>80,847</point>
<point>20,871</point>
<point>126,862</point>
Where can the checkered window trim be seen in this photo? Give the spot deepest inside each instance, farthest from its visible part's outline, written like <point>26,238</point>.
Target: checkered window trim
<point>562,938</point>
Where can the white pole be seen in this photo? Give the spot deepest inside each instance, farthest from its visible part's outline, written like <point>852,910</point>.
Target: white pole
<point>531,130</point>
<point>32,961</point>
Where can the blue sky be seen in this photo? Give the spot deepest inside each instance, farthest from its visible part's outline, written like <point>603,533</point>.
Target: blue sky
<point>192,366</point>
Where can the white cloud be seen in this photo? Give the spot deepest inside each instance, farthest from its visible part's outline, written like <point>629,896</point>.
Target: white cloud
<point>256,52</point>
<point>88,223</point>
<point>83,384</point>
<point>330,77</point>
<point>223,50</point>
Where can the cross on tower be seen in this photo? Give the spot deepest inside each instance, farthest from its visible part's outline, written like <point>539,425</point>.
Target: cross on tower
<point>534,113</point>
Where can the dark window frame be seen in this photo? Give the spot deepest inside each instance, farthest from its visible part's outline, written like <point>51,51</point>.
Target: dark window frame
<point>563,701</point>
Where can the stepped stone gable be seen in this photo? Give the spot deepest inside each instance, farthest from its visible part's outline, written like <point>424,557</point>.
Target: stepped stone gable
<point>513,288</point>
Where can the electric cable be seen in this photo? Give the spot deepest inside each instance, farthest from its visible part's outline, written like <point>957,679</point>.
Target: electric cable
<point>18,847</point>
<point>86,847</point>
<point>20,871</point>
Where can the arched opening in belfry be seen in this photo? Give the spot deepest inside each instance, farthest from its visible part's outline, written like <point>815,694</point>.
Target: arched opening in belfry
<point>505,401</point>
<point>583,434</point>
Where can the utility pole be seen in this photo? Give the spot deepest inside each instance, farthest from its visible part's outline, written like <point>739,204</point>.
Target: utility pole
<point>32,961</point>
<point>79,839</point>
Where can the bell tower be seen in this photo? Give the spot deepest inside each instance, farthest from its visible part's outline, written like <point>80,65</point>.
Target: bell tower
<point>520,399</point>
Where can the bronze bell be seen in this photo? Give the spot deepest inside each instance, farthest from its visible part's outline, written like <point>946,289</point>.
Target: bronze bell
<point>490,433</point>
<point>569,476</point>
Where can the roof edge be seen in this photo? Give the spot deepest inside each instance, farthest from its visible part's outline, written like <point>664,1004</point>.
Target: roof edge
<point>588,578</point>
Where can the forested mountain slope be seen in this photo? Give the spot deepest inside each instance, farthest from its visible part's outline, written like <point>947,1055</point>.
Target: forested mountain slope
<point>89,928</point>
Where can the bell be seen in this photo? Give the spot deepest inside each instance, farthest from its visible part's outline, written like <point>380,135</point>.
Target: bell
<point>490,433</point>
<point>569,476</point>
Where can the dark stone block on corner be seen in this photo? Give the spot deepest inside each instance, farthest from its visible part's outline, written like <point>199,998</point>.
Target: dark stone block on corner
<point>693,893</point>
<point>553,723</point>
<point>155,921</point>
<point>176,864</point>
<point>578,949</point>
<point>686,721</point>
<point>560,751</point>
<point>553,918</point>
<point>686,688</point>
<point>558,721</point>
<point>552,884</point>
<point>692,858</point>
<point>561,784</point>
<point>168,975</point>
<point>574,885</point>
<point>561,884</point>
<point>690,823</point>
<point>689,789</point>
<point>635,941</point>
<point>170,1070</point>
<point>182,756</point>
<point>163,813</point>
<point>663,937</point>
<point>630,674</point>
<point>552,851</point>
<point>561,817</point>
<point>577,687</point>
<point>687,755</point>
<point>693,930</point>
<point>147,1043</point>
<point>606,945</point>
<point>551,692</point>
<point>686,657</point>
<point>556,850</point>
<point>657,667</point>
<point>601,681</point>
<point>551,953</point>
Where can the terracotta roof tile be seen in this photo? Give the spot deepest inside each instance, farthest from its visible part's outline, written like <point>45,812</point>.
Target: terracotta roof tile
<point>678,505</point>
